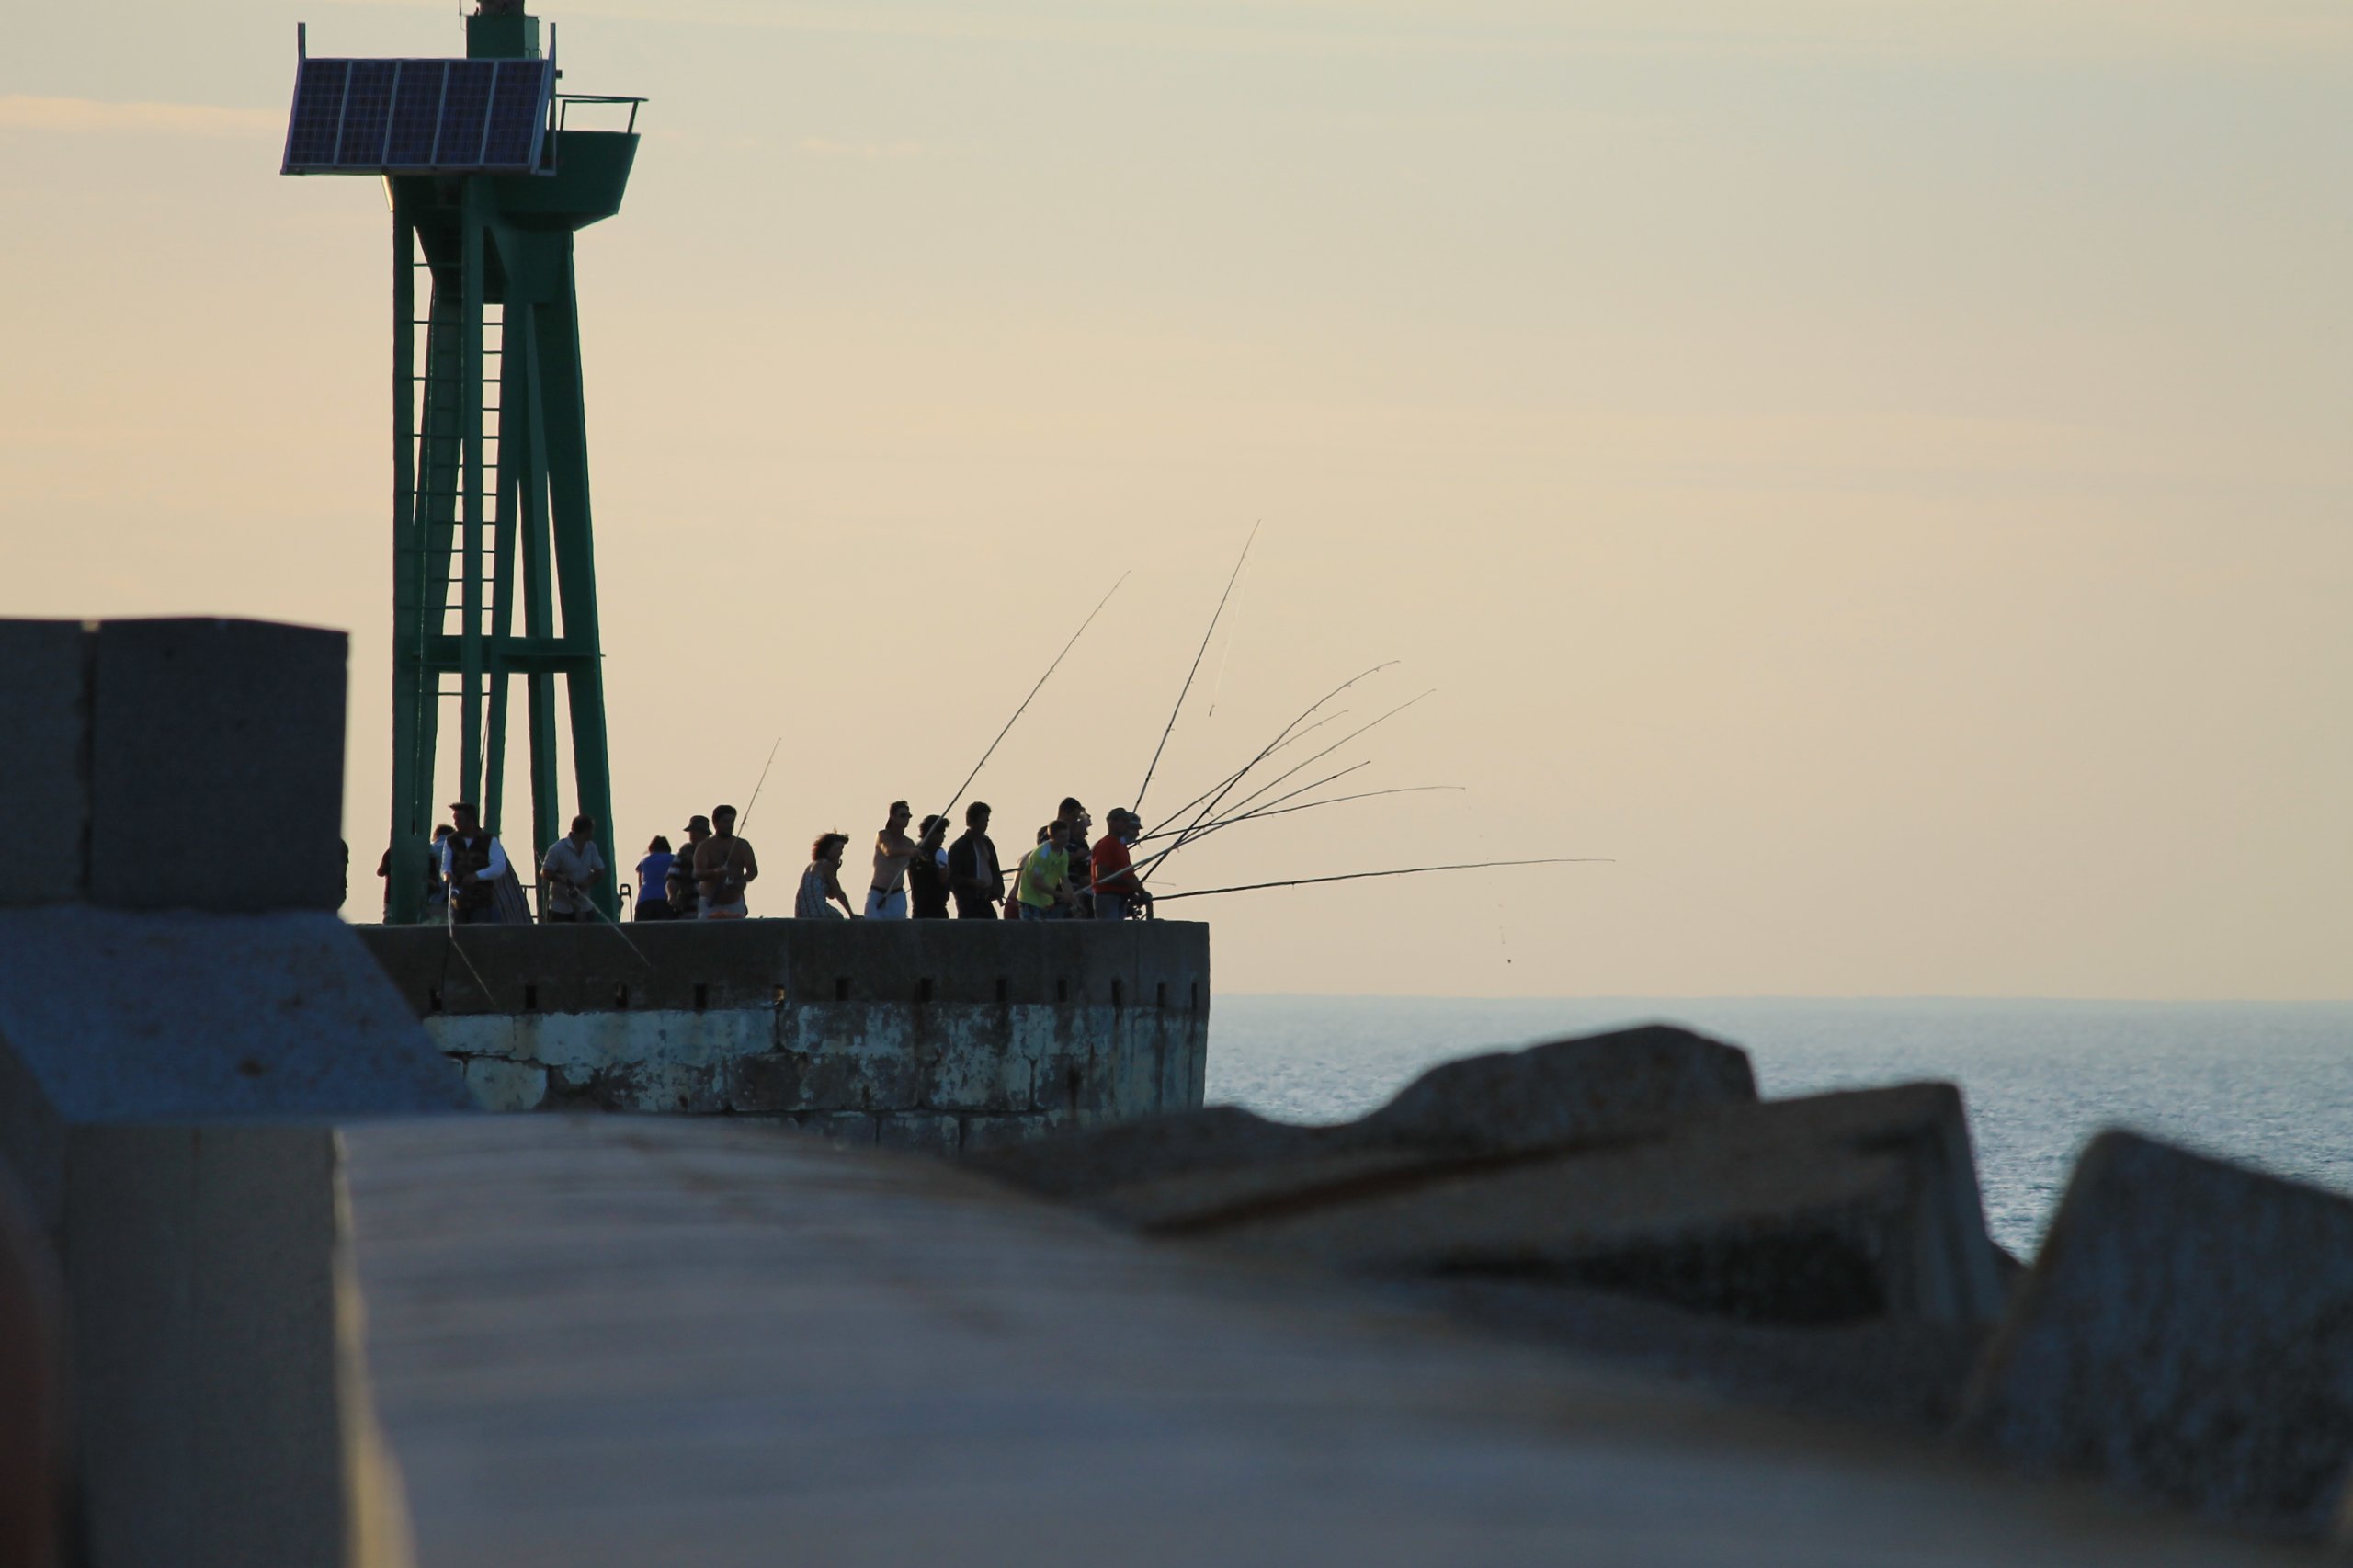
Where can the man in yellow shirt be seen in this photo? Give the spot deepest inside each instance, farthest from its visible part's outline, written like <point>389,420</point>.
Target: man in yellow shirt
<point>1044,890</point>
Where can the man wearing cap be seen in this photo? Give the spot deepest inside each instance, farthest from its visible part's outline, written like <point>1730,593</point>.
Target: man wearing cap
<point>572,865</point>
<point>886,897</point>
<point>686,903</point>
<point>1118,889</point>
<point>472,863</point>
<point>723,863</point>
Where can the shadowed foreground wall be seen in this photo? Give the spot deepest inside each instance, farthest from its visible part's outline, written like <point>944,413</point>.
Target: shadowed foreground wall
<point>946,1035</point>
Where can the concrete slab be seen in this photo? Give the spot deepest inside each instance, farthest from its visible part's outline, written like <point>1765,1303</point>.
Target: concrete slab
<point>2186,1333</point>
<point>44,788</point>
<point>199,1264</point>
<point>205,733</point>
<point>1834,1208</point>
<point>630,1340</point>
<point>112,1016</point>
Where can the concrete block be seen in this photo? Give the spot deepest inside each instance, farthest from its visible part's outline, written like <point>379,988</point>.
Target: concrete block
<point>502,1086</point>
<point>2186,1333</point>
<point>848,1128</point>
<point>216,777</point>
<point>109,1016</point>
<point>200,1267</point>
<point>983,1133</point>
<point>1077,1166</point>
<point>1559,1093</point>
<point>44,788</point>
<point>1832,1208</point>
<point>930,1134</point>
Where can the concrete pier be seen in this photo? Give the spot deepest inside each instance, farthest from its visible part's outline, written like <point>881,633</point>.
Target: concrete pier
<point>941,1035</point>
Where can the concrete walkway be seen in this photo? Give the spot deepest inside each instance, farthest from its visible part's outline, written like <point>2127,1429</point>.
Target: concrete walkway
<point>635,1341</point>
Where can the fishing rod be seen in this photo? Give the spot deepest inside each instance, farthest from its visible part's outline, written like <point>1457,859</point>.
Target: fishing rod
<point>1184,690</point>
<point>1272,810</point>
<point>1194,835</point>
<point>1031,698</point>
<point>615,927</point>
<point>746,820</point>
<point>1231,777</point>
<point>1188,832</point>
<point>1230,817</point>
<point>1406,871</point>
<point>1218,796</point>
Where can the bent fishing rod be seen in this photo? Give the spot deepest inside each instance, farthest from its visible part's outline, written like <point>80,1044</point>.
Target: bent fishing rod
<point>1031,698</point>
<point>1193,828</point>
<point>1186,689</point>
<point>1218,797</point>
<point>1404,872</point>
<point>1194,835</point>
<point>1235,775</point>
<point>1275,809</point>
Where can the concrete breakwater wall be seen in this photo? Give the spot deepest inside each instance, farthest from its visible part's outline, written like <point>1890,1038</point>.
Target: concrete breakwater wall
<point>940,1034</point>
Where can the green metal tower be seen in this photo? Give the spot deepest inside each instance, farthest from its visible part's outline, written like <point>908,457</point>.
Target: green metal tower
<point>487,184</point>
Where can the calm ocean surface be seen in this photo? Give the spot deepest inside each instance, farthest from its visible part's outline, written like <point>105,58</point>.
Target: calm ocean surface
<point>2271,1084</point>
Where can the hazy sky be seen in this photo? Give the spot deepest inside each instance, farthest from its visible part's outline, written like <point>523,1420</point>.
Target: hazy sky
<point>1879,471</point>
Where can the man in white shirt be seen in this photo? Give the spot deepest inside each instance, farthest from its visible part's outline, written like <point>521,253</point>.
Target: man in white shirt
<point>572,867</point>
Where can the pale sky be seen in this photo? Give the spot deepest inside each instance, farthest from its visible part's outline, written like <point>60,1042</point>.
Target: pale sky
<point>1879,472</point>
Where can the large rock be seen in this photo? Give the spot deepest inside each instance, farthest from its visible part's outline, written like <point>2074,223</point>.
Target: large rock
<point>1561,1093</point>
<point>108,1017</point>
<point>1836,1208</point>
<point>2186,1333</point>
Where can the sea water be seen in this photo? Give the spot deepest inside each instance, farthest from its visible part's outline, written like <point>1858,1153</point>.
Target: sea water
<point>2269,1085</point>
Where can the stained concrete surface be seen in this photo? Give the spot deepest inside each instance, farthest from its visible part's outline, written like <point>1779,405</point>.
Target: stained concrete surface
<point>593,1341</point>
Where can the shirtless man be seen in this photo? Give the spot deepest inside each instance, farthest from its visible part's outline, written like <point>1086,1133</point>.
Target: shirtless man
<point>886,897</point>
<point>723,863</point>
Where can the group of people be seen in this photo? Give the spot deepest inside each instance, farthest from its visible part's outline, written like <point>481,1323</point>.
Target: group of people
<point>920,877</point>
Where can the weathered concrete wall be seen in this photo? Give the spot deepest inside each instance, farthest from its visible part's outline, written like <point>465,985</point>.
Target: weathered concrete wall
<point>946,1035</point>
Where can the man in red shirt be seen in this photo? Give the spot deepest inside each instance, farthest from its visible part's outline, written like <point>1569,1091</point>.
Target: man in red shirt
<point>1117,890</point>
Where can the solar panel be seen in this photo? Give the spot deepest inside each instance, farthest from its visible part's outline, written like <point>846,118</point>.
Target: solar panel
<point>366,108</point>
<point>318,113</point>
<point>514,116</point>
<point>416,113</point>
<point>359,117</point>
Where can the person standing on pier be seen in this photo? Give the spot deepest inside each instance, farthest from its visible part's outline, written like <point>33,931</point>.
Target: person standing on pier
<point>654,880</point>
<point>886,899</point>
<point>972,873</point>
<point>1044,888</point>
<point>572,863</point>
<point>1117,890</point>
<point>723,863</point>
<point>1077,828</point>
<point>823,882</point>
<point>472,864</point>
<point>928,872</point>
<point>686,903</point>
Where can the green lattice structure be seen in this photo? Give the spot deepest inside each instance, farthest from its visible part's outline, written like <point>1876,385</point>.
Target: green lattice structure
<point>491,510</point>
